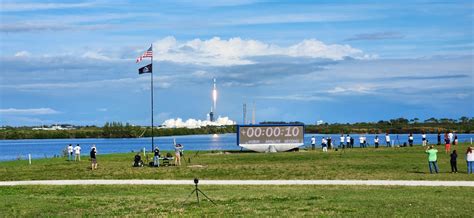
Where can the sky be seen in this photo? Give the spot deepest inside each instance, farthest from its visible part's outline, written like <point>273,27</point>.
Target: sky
<point>337,61</point>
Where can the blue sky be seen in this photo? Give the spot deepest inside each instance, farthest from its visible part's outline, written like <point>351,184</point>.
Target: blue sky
<point>337,61</point>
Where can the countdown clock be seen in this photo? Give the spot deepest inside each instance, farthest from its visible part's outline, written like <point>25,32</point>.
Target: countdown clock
<point>263,138</point>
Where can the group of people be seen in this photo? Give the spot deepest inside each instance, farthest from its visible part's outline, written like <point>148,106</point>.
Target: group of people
<point>433,160</point>
<point>76,153</point>
<point>348,141</point>
<point>138,162</point>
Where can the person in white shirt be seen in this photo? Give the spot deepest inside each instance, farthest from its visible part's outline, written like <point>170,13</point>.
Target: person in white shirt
<point>423,139</point>
<point>410,140</point>
<point>341,144</point>
<point>313,143</point>
<point>348,141</point>
<point>451,137</point>
<point>70,151</point>
<point>324,144</point>
<point>77,151</point>
<point>470,160</point>
<point>387,140</point>
<point>361,141</point>
<point>376,141</point>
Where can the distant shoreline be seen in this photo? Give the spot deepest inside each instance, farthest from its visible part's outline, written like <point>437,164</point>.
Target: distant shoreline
<point>127,131</point>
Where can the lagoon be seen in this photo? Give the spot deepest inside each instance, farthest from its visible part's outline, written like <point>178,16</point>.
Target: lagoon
<point>47,148</point>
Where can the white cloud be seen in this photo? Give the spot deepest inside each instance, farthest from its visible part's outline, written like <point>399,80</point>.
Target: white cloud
<point>41,6</point>
<point>237,51</point>
<point>30,111</point>
<point>193,123</point>
<point>22,54</point>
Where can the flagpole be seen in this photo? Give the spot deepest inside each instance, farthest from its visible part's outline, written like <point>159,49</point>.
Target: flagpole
<point>152,126</point>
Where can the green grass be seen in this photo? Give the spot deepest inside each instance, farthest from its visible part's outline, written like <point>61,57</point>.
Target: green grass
<point>382,163</point>
<point>282,201</point>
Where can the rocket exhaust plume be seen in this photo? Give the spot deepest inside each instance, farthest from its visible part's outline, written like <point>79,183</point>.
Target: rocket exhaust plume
<point>214,96</point>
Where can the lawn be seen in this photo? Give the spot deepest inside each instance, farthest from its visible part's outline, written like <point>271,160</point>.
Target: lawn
<point>383,163</point>
<point>282,201</point>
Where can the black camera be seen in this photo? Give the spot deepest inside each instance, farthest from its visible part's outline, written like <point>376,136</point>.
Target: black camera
<point>196,181</point>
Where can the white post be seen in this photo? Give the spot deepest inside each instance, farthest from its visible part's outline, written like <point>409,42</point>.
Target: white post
<point>144,152</point>
<point>29,158</point>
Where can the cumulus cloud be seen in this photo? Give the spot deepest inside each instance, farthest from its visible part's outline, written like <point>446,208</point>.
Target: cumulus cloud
<point>237,51</point>
<point>193,123</point>
<point>30,111</point>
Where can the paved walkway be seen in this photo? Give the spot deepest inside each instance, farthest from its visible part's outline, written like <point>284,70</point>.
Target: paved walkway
<point>242,182</point>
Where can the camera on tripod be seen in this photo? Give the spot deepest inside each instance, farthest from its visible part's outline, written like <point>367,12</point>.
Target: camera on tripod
<point>196,181</point>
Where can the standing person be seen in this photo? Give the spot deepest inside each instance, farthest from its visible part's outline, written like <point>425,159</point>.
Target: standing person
<point>324,144</point>
<point>410,140</point>
<point>70,151</point>
<point>387,139</point>
<point>470,160</point>
<point>341,143</point>
<point>329,142</point>
<point>447,143</point>
<point>376,141</point>
<point>361,141</point>
<point>156,157</point>
<point>77,151</point>
<point>453,161</point>
<point>93,158</point>
<point>177,152</point>
<point>348,141</point>
<point>432,158</point>
<point>455,139</point>
<point>451,137</point>
<point>313,143</point>
<point>439,138</point>
<point>423,139</point>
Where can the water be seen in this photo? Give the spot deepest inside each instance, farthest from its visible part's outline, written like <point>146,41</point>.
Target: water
<point>40,148</point>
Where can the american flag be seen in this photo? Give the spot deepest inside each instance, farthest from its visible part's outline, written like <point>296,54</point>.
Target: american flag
<point>148,54</point>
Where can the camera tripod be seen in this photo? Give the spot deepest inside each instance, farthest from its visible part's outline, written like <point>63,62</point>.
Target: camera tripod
<point>197,191</point>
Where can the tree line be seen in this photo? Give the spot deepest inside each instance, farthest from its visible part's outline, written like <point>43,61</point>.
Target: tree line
<point>126,130</point>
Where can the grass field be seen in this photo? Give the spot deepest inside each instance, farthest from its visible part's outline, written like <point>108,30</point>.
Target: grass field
<point>370,163</point>
<point>282,201</point>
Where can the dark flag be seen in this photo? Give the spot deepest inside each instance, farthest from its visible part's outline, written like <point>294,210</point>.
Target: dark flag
<point>146,69</point>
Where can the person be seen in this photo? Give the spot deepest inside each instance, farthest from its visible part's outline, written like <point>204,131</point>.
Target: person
<point>341,143</point>
<point>177,151</point>
<point>137,160</point>
<point>451,136</point>
<point>324,144</point>
<point>329,142</point>
<point>361,141</point>
<point>423,139</point>
<point>77,151</point>
<point>70,151</point>
<point>352,142</point>
<point>453,161</point>
<point>447,143</point>
<point>432,158</point>
<point>387,140</point>
<point>410,140</point>
<point>470,160</point>
<point>455,139</point>
<point>376,141</point>
<point>156,157</point>
<point>313,143</point>
<point>93,158</point>
<point>439,138</point>
<point>348,141</point>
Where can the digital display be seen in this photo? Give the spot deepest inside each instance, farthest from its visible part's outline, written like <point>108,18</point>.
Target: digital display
<point>266,135</point>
